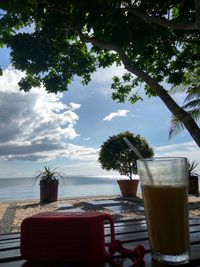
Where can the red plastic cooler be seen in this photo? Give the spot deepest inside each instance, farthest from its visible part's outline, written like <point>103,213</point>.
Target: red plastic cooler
<point>69,236</point>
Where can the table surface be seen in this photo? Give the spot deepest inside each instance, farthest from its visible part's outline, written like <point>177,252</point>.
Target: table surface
<point>130,232</point>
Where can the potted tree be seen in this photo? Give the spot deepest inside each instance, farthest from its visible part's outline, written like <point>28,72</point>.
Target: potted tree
<point>116,155</point>
<point>49,180</point>
<point>193,178</point>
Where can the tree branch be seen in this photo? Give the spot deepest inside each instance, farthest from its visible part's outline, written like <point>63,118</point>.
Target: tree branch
<point>158,89</point>
<point>130,67</point>
<point>90,39</point>
<point>170,23</point>
<point>175,109</point>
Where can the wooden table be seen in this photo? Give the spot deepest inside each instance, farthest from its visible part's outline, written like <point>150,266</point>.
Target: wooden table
<point>130,232</point>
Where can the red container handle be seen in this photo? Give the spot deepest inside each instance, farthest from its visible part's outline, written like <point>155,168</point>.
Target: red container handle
<point>112,228</point>
<point>136,254</point>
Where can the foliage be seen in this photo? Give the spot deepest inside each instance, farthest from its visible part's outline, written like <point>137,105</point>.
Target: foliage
<point>48,175</point>
<point>116,155</point>
<point>191,103</point>
<point>156,41</point>
<point>192,167</point>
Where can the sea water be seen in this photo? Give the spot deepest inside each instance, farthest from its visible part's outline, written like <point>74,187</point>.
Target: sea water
<point>23,188</point>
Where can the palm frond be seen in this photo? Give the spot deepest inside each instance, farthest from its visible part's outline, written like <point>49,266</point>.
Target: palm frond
<point>192,166</point>
<point>190,97</point>
<point>195,114</point>
<point>192,104</point>
<point>178,89</point>
<point>176,126</point>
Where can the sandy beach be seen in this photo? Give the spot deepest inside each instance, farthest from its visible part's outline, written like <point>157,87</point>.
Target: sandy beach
<point>13,213</point>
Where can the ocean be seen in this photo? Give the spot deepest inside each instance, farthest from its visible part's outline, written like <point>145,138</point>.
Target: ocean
<point>24,189</point>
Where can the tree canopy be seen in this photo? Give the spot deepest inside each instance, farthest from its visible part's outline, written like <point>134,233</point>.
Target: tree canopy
<point>116,155</point>
<point>156,41</point>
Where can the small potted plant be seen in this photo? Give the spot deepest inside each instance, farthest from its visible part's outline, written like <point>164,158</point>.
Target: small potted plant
<point>49,180</point>
<point>193,178</point>
<point>116,155</point>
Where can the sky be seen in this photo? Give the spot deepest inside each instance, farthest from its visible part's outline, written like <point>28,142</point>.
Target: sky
<point>66,130</point>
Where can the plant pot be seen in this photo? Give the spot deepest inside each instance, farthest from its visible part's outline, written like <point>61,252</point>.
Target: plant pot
<point>193,184</point>
<point>48,191</point>
<point>128,188</point>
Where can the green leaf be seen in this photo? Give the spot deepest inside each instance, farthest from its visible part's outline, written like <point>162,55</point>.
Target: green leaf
<point>134,98</point>
<point>116,155</point>
<point>46,42</point>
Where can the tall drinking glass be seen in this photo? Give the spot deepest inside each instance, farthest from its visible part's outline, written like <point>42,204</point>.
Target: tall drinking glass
<point>164,183</point>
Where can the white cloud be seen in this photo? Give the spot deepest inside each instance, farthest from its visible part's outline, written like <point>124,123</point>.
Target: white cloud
<point>106,75</point>
<point>42,151</point>
<point>102,78</point>
<point>189,150</point>
<point>118,113</point>
<point>74,106</point>
<point>89,168</point>
<point>33,125</point>
<point>9,80</point>
<point>86,138</point>
<point>81,153</point>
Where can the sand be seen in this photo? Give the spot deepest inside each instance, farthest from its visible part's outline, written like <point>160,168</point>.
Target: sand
<point>12,213</point>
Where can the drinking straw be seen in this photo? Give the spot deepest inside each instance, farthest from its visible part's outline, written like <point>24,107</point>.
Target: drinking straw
<point>139,155</point>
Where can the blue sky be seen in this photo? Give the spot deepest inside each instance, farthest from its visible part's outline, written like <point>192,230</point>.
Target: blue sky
<point>67,130</point>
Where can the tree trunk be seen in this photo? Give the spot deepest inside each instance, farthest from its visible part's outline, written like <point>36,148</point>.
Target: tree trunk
<point>175,109</point>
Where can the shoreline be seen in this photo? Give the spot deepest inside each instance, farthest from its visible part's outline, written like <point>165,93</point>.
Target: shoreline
<point>60,198</point>
<point>12,213</point>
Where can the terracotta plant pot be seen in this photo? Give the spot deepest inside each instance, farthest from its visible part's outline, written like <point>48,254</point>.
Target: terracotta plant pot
<point>193,184</point>
<point>48,191</point>
<point>128,187</point>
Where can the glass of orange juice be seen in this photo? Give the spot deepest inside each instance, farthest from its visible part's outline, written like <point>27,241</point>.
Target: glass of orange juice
<point>164,183</point>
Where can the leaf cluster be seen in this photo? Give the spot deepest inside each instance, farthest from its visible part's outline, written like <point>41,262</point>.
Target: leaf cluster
<point>124,88</point>
<point>44,37</point>
<point>116,155</point>
<point>47,175</point>
<point>191,168</point>
<point>191,102</point>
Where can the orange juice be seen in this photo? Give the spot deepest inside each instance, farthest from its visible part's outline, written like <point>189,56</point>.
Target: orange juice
<point>166,210</point>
